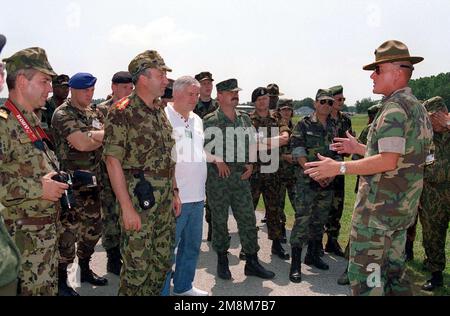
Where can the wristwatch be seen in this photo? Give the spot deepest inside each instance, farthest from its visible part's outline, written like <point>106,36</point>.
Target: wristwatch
<point>342,168</point>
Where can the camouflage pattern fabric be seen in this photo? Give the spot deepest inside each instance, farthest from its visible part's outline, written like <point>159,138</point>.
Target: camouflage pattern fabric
<point>202,110</point>
<point>33,57</point>
<point>83,223</point>
<point>141,139</point>
<point>376,266</point>
<point>46,118</point>
<point>434,211</point>
<point>22,166</point>
<point>386,203</point>
<point>10,263</point>
<point>312,204</point>
<point>104,107</point>
<point>232,191</point>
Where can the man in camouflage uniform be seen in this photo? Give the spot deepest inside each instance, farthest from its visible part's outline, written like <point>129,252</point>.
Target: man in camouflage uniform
<point>137,152</point>
<point>228,130</point>
<point>313,135</point>
<point>333,226</point>
<point>274,95</point>
<point>121,86</point>
<point>391,176</point>
<point>79,136</point>
<point>10,263</point>
<point>268,184</point>
<point>434,211</point>
<point>26,168</point>
<point>288,167</point>
<point>60,85</point>
<point>206,104</point>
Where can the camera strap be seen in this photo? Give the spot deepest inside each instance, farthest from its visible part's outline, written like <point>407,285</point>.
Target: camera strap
<point>37,135</point>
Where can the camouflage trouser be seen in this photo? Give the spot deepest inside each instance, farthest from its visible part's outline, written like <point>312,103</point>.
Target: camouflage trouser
<point>269,186</point>
<point>286,185</point>
<point>110,213</point>
<point>333,226</point>
<point>223,193</point>
<point>147,254</point>
<point>82,225</point>
<point>434,217</point>
<point>312,205</point>
<point>377,262</point>
<point>207,212</point>
<point>39,252</point>
<point>411,231</point>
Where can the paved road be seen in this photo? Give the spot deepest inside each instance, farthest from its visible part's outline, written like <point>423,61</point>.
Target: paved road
<point>315,282</point>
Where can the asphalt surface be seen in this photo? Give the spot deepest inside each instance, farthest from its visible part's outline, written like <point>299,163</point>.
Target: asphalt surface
<point>314,282</point>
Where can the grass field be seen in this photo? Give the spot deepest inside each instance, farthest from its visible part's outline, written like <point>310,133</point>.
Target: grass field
<point>415,272</point>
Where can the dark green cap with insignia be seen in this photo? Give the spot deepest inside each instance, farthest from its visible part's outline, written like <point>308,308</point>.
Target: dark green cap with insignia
<point>147,59</point>
<point>373,110</point>
<point>228,85</point>
<point>274,90</point>
<point>30,58</point>
<point>336,90</point>
<point>324,94</point>
<point>206,75</point>
<point>285,103</point>
<point>435,104</point>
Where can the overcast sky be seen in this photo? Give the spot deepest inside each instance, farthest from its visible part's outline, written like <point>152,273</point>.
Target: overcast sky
<point>301,45</point>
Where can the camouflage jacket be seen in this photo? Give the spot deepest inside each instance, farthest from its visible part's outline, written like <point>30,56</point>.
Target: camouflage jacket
<point>439,170</point>
<point>238,142</point>
<point>104,107</point>
<point>343,124</point>
<point>9,254</point>
<point>287,170</point>
<point>22,167</point>
<point>389,200</point>
<point>263,127</point>
<point>139,137</point>
<point>67,120</point>
<point>46,118</point>
<point>310,138</point>
<point>201,110</point>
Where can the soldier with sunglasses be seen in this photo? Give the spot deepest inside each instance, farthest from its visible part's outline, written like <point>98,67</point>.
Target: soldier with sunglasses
<point>312,136</point>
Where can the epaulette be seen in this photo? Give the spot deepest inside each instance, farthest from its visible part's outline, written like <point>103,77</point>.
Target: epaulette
<point>4,113</point>
<point>122,104</point>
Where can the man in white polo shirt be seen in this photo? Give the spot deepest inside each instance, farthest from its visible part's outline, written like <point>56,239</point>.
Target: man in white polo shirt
<point>190,172</point>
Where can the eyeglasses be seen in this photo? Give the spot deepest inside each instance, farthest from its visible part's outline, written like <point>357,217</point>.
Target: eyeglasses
<point>330,102</point>
<point>378,69</point>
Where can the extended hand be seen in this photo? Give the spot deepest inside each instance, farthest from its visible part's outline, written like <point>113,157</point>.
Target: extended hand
<point>323,169</point>
<point>347,145</point>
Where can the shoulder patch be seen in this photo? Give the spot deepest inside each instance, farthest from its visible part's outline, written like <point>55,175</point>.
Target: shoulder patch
<point>122,104</point>
<point>4,114</point>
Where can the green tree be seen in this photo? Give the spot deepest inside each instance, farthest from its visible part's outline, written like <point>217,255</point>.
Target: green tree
<point>305,102</point>
<point>364,104</point>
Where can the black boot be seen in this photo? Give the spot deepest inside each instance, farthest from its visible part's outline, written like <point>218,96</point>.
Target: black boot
<point>223,270</point>
<point>283,239</point>
<point>295,274</point>
<point>333,246</point>
<point>343,279</point>
<point>278,250</point>
<point>437,280</point>
<point>63,288</point>
<point>254,268</point>
<point>409,250</point>
<point>320,248</point>
<point>114,261</point>
<point>209,238</point>
<point>87,275</point>
<point>313,256</point>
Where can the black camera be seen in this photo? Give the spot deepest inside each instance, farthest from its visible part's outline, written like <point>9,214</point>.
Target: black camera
<point>144,192</point>
<point>68,199</point>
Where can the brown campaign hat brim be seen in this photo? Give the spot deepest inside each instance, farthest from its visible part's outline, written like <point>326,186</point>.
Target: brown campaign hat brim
<point>276,95</point>
<point>412,60</point>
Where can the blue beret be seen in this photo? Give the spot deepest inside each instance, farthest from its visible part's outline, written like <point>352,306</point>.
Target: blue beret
<point>82,80</point>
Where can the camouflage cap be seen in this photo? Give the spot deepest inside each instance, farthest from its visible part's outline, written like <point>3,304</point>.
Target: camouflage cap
<point>435,104</point>
<point>336,90</point>
<point>324,94</point>
<point>2,42</point>
<point>61,80</point>
<point>204,76</point>
<point>285,103</point>
<point>228,85</point>
<point>274,90</point>
<point>30,58</point>
<point>259,92</point>
<point>147,59</point>
<point>373,110</point>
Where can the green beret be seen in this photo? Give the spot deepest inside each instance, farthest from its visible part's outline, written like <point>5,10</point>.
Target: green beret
<point>373,110</point>
<point>30,58</point>
<point>336,90</point>
<point>285,103</point>
<point>435,104</point>
<point>228,85</point>
<point>324,94</point>
<point>147,59</point>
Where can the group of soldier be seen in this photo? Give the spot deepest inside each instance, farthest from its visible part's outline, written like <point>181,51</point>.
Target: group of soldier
<point>72,172</point>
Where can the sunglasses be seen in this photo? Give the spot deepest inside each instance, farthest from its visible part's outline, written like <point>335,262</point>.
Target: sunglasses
<point>330,102</point>
<point>378,69</point>
<point>342,99</point>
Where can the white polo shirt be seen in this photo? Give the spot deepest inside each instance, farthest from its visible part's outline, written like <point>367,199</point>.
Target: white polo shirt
<point>190,158</point>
